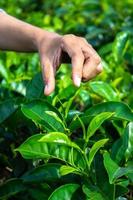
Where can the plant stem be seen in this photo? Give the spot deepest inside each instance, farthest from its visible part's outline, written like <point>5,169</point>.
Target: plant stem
<point>114,192</point>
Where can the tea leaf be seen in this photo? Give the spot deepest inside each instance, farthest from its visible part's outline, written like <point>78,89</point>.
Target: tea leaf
<point>50,146</point>
<point>42,113</point>
<point>104,90</point>
<point>64,192</point>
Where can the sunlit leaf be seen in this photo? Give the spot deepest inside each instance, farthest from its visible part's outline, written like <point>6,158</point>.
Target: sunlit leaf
<point>95,148</point>
<point>52,147</point>
<point>64,192</point>
<point>104,90</point>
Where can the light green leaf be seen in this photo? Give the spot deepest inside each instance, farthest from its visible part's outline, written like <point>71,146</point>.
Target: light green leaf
<point>58,137</point>
<point>64,170</point>
<point>110,166</point>
<point>129,133</point>
<point>64,192</point>
<point>4,71</point>
<point>120,45</point>
<point>104,90</point>
<point>52,147</point>
<point>95,148</point>
<point>96,122</point>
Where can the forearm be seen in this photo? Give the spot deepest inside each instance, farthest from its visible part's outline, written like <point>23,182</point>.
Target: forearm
<point>18,36</point>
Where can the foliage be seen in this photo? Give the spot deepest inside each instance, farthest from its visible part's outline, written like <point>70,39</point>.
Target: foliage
<point>77,143</point>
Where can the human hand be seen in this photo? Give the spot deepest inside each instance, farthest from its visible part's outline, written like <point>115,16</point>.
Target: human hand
<point>52,47</point>
<point>86,63</point>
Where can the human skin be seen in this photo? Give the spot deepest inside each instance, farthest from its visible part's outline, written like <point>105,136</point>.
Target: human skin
<point>53,49</point>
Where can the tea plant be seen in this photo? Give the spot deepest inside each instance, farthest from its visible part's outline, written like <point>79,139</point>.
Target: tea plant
<point>77,143</point>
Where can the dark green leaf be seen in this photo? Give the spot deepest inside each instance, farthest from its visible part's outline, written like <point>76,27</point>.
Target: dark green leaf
<point>123,147</point>
<point>47,172</point>
<point>92,193</point>
<point>7,108</point>
<point>44,114</point>
<point>11,187</point>
<point>120,110</point>
<point>35,87</point>
<point>113,170</point>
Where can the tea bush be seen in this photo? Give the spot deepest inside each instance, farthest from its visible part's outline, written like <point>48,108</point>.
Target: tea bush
<point>76,143</point>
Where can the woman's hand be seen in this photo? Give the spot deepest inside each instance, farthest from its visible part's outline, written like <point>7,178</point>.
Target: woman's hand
<point>86,63</point>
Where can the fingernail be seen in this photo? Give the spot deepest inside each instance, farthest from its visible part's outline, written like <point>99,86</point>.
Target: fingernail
<point>100,67</point>
<point>46,89</point>
<point>77,80</point>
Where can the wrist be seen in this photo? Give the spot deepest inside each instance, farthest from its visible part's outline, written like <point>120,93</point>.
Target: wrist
<point>42,36</point>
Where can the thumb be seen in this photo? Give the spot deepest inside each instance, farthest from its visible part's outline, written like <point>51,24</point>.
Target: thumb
<point>48,76</point>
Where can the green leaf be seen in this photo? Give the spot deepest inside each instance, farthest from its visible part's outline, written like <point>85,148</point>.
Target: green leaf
<point>104,90</point>
<point>35,87</point>
<point>120,45</point>
<point>92,193</point>
<point>123,171</point>
<point>38,194</point>
<point>123,147</point>
<point>120,110</point>
<point>46,172</point>
<point>103,184</point>
<point>44,114</point>
<point>129,134</point>
<point>4,71</point>
<point>110,166</point>
<point>52,147</point>
<point>7,108</point>
<point>11,187</point>
<point>69,103</point>
<point>113,170</point>
<point>96,122</point>
<point>95,148</point>
<point>64,192</point>
<point>64,170</point>
<point>57,137</point>
<point>55,116</point>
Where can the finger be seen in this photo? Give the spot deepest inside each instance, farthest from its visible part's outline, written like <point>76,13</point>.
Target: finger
<point>77,58</point>
<point>92,65</point>
<point>74,51</point>
<point>48,76</point>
